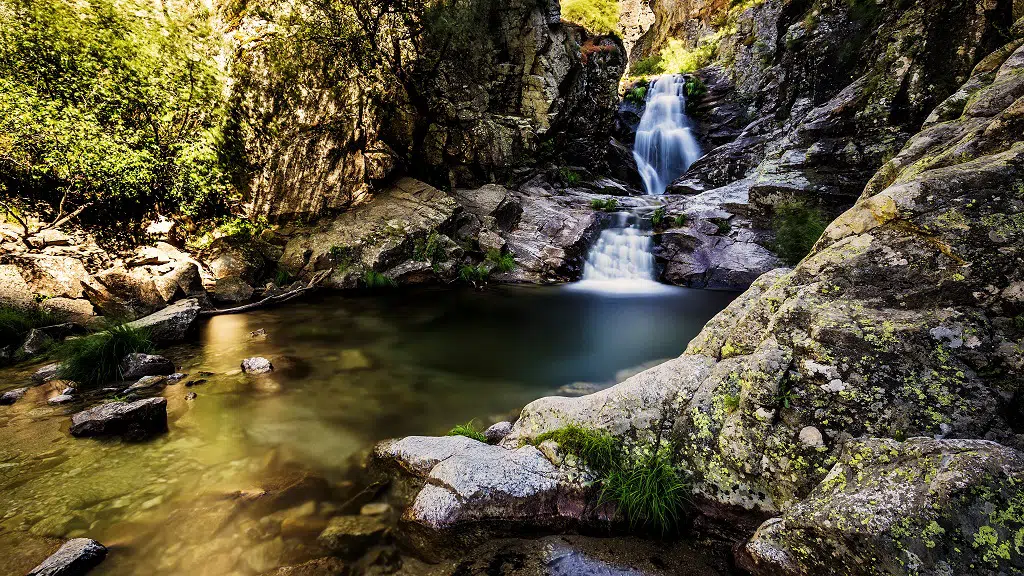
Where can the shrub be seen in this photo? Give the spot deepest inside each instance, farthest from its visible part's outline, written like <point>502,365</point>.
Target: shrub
<point>680,220</point>
<point>469,430</point>
<point>650,66</point>
<point>95,360</point>
<point>678,59</point>
<point>637,95</point>
<point>474,274</point>
<point>797,227</point>
<point>242,228</point>
<point>648,492</point>
<point>597,16</point>
<point>598,450</point>
<point>375,280</point>
<point>606,204</point>
<point>722,224</point>
<point>731,402</point>
<point>695,87</point>
<point>570,176</point>
<point>502,262</point>
<point>658,218</point>
<point>15,323</point>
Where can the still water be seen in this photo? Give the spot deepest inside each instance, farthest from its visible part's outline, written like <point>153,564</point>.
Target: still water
<point>350,370</point>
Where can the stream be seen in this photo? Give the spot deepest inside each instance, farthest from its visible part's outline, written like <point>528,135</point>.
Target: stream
<point>349,371</point>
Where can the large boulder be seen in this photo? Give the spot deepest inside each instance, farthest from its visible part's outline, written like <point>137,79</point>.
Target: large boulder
<point>74,558</point>
<point>52,275</point>
<point>14,291</point>
<point>133,421</point>
<point>172,323</point>
<point>922,506</point>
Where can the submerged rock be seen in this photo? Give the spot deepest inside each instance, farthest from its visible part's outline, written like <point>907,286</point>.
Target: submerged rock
<point>350,536</point>
<point>12,396</point>
<point>74,558</point>
<point>257,365</point>
<point>138,365</point>
<point>46,373</point>
<point>319,567</point>
<point>134,421</point>
<point>61,399</point>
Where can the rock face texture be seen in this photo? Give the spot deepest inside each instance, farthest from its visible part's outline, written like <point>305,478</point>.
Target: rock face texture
<point>906,320</point>
<point>476,105</point>
<point>75,557</point>
<point>133,421</point>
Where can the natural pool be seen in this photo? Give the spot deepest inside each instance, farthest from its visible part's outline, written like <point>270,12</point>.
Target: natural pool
<point>350,370</point>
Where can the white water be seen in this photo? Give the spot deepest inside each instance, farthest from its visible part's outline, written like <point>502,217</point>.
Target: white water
<point>621,262</point>
<point>665,146</point>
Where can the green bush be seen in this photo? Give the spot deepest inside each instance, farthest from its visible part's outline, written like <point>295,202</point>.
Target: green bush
<point>606,204</point>
<point>95,360</point>
<point>658,218</point>
<point>636,95</point>
<point>502,262</point>
<point>797,227</point>
<point>680,220</point>
<point>469,430</point>
<point>374,280</point>
<point>650,66</point>
<point>695,87</point>
<point>597,16</point>
<point>649,492</point>
<point>678,59</point>
<point>15,323</point>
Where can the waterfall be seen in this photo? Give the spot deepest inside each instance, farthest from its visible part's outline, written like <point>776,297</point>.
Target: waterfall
<point>665,147</point>
<point>621,253</point>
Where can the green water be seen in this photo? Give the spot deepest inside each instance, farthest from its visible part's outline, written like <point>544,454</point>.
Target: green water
<point>349,371</point>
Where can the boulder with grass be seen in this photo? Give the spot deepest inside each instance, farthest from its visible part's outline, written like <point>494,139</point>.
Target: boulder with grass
<point>132,421</point>
<point>96,359</point>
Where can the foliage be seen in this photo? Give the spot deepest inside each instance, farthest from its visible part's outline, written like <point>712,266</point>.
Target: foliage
<point>342,256</point>
<point>597,16</point>
<point>282,277</point>
<point>678,59</point>
<point>376,280</point>
<point>15,323</point>
<point>722,224</point>
<point>650,66</point>
<point>606,204</point>
<point>96,359</point>
<point>731,402</point>
<point>648,492</point>
<point>111,102</point>
<point>598,450</point>
<point>570,176</point>
<point>429,250</point>
<point>502,262</point>
<point>680,220</point>
<point>658,218</point>
<point>469,430</point>
<point>474,274</point>
<point>797,227</point>
<point>695,87</point>
<point>242,228</point>
<point>637,95</point>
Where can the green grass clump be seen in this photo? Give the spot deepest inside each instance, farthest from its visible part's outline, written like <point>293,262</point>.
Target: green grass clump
<point>282,278</point>
<point>474,274</point>
<point>658,218</point>
<point>797,227</point>
<point>722,224</point>
<point>695,87</point>
<point>502,262</point>
<point>637,95</point>
<point>570,176</point>
<point>241,228</point>
<point>429,249</point>
<point>375,280</point>
<point>680,220</point>
<point>95,360</point>
<point>15,323</point>
<point>598,450</point>
<point>343,256</point>
<point>649,492</point>
<point>469,430</point>
<point>606,204</point>
<point>678,59</point>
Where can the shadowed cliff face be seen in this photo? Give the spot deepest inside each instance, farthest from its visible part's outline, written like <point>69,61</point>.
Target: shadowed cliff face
<point>476,91</point>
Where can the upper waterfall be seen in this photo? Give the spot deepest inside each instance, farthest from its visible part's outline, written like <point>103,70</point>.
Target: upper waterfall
<point>665,146</point>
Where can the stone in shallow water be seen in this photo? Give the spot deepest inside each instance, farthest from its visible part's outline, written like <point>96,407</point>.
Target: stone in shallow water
<point>12,396</point>
<point>375,509</point>
<point>138,365</point>
<point>352,535</point>
<point>61,399</point>
<point>74,558</point>
<point>134,421</point>
<point>172,323</point>
<point>46,373</point>
<point>257,365</point>
<point>318,567</point>
<point>147,383</point>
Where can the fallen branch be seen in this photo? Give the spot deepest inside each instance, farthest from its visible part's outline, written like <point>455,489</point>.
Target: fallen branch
<point>277,299</point>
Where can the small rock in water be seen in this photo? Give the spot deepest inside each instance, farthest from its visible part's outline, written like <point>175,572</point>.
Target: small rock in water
<point>191,396</point>
<point>205,374</point>
<point>176,377</point>
<point>354,359</point>
<point>192,383</point>
<point>74,558</point>
<point>134,421</point>
<point>61,399</point>
<point>375,509</point>
<point>12,396</point>
<point>147,382</point>
<point>497,432</point>
<point>257,365</point>
<point>352,535</point>
<point>138,365</point>
<point>261,333</point>
<point>46,373</point>
<point>68,391</point>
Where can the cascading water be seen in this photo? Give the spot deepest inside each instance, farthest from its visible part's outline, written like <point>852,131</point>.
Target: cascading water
<point>665,147</point>
<point>622,261</point>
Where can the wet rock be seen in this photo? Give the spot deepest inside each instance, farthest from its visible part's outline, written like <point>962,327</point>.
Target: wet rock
<point>147,383</point>
<point>258,334</point>
<point>46,373</point>
<point>137,365</point>
<point>257,365</point>
<point>191,396</point>
<point>318,567</point>
<point>176,377</point>
<point>172,323</point>
<point>61,399</point>
<point>920,506</point>
<point>350,536</point>
<point>238,260</point>
<point>12,396</point>
<point>134,421</point>
<point>497,432</point>
<point>36,342</point>
<point>74,558</point>
<point>375,509</point>
<point>232,290</point>
<point>198,382</point>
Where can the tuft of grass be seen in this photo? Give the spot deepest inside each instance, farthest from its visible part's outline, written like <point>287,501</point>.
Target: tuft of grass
<point>658,218</point>
<point>731,402</point>
<point>474,274</point>
<point>598,450</point>
<point>649,492</point>
<point>95,360</point>
<point>342,256</point>
<point>469,430</point>
<point>695,87</point>
<point>722,224</point>
<point>570,176</point>
<point>797,228</point>
<point>376,280</point>
<point>429,249</point>
<point>680,220</point>
<point>242,228</point>
<point>606,204</point>
<point>502,262</point>
<point>636,95</point>
<point>282,278</point>
<point>15,323</point>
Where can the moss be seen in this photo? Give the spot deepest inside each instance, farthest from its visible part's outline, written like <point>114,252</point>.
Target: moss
<point>374,280</point>
<point>598,450</point>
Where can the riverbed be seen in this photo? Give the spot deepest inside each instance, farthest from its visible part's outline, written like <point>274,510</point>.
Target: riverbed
<point>349,371</point>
